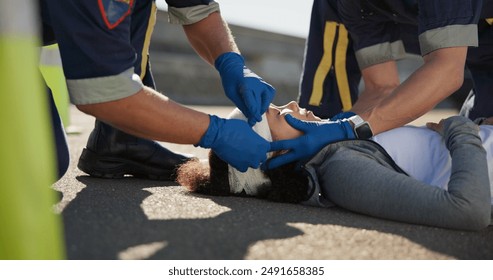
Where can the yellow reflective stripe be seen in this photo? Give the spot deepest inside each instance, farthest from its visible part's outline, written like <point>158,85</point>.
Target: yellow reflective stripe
<point>147,40</point>
<point>340,68</point>
<point>325,64</point>
<point>489,21</point>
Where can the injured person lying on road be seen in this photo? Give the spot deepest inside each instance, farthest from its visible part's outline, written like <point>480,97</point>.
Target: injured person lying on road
<point>435,175</point>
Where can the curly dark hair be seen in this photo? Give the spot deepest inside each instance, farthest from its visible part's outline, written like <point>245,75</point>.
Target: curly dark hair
<point>288,184</point>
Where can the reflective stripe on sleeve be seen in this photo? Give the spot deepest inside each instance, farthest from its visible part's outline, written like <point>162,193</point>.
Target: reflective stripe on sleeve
<point>380,53</point>
<point>190,15</point>
<point>104,89</point>
<point>448,36</point>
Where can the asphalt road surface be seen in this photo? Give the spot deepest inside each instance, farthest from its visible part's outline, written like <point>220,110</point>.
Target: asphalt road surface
<point>143,219</point>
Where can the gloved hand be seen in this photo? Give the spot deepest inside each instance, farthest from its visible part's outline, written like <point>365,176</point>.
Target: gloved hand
<point>316,136</point>
<point>342,115</point>
<point>235,142</point>
<point>249,92</point>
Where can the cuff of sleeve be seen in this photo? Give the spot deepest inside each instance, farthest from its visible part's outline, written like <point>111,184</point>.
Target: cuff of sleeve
<point>190,15</point>
<point>104,89</point>
<point>380,53</point>
<point>456,128</point>
<point>448,36</point>
<point>210,135</point>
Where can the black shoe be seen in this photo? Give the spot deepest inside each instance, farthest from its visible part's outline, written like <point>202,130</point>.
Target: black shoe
<point>111,153</point>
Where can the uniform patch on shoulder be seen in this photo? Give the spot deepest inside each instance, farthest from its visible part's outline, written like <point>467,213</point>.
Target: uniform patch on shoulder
<point>115,11</point>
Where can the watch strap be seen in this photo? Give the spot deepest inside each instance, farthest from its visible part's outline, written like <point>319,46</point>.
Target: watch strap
<point>362,128</point>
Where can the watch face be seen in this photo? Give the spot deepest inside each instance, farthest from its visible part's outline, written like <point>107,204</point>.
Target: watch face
<point>363,131</point>
<point>362,128</point>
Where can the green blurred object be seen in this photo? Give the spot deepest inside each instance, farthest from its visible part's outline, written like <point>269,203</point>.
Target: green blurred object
<point>51,68</point>
<point>29,226</point>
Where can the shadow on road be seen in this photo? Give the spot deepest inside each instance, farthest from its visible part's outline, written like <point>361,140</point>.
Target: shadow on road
<point>106,218</point>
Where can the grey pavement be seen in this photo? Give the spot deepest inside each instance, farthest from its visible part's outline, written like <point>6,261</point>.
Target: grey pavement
<point>143,219</point>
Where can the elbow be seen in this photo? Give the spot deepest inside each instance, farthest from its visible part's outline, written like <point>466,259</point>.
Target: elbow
<point>87,109</point>
<point>477,225</point>
<point>456,79</point>
<point>483,219</point>
<point>448,63</point>
<point>97,110</point>
<point>476,218</point>
<point>452,78</point>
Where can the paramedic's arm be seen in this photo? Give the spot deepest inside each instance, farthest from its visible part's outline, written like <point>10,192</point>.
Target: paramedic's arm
<point>210,37</point>
<point>441,75</point>
<point>212,40</point>
<point>380,80</point>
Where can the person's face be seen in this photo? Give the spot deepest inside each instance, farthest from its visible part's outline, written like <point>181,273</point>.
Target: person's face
<point>279,127</point>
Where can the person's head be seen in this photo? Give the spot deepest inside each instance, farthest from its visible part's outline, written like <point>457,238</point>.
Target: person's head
<point>283,184</point>
<point>279,127</point>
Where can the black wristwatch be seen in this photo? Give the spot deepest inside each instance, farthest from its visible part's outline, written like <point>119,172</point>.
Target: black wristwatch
<point>361,128</point>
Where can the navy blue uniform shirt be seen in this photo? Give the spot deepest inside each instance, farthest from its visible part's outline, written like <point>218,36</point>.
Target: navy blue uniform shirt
<point>383,29</point>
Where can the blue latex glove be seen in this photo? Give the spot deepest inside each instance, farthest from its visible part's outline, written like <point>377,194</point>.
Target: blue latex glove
<point>316,136</point>
<point>249,92</point>
<point>342,115</point>
<point>235,142</point>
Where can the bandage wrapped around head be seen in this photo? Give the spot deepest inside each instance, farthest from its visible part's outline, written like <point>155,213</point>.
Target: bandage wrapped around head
<point>253,181</point>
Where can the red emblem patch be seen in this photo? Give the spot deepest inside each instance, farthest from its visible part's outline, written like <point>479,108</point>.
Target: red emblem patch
<point>115,11</point>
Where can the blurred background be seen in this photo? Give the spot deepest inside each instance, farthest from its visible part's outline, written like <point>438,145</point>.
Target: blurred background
<point>271,36</point>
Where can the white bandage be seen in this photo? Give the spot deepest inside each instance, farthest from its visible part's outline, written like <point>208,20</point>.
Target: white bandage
<point>253,180</point>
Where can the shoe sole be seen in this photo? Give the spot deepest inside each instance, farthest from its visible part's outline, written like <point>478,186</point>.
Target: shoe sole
<point>116,168</point>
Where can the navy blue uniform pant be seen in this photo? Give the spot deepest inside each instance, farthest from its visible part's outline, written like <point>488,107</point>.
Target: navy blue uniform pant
<point>330,79</point>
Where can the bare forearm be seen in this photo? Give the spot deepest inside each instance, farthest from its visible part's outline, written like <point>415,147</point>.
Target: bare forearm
<point>424,89</point>
<point>211,37</point>
<point>151,115</point>
<point>379,81</point>
<point>369,99</point>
